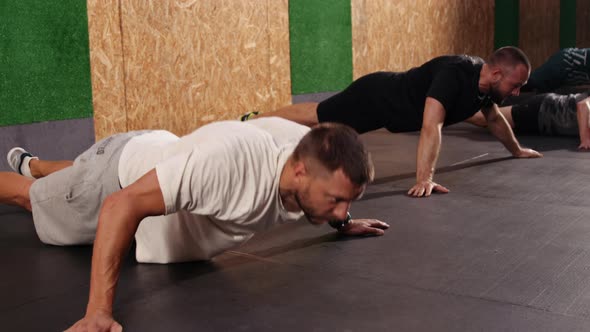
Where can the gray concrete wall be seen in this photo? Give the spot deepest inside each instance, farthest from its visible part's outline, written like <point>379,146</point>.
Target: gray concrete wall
<point>312,97</point>
<point>54,140</point>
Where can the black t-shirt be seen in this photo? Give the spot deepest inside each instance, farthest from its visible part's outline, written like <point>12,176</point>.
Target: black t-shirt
<point>452,80</point>
<point>396,100</point>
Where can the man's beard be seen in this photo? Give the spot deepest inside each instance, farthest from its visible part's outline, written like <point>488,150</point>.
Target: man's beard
<point>308,212</point>
<point>495,95</point>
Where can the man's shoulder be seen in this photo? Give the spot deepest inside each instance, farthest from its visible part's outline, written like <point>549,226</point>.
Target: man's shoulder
<point>461,62</point>
<point>281,130</point>
<point>263,136</point>
<point>460,67</point>
<point>270,123</point>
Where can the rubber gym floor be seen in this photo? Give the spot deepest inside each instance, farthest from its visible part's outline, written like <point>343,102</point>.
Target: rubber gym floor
<point>507,250</point>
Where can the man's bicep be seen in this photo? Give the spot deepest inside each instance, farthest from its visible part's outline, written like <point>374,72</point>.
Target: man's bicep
<point>490,112</point>
<point>145,195</point>
<point>434,112</point>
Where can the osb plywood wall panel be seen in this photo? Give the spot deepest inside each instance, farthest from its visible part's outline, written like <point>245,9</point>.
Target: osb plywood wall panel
<point>539,29</point>
<point>107,71</point>
<point>583,23</point>
<point>397,35</point>
<point>280,64</point>
<point>188,63</point>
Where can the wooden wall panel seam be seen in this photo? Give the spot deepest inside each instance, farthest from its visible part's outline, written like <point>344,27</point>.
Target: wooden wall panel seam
<point>104,31</point>
<point>124,65</point>
<point>539,29</point>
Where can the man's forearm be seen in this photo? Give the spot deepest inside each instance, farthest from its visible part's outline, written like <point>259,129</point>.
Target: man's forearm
<point>583,117</point>
<point>116,228</point>
<point>428,150</point>
<point>500,128</point>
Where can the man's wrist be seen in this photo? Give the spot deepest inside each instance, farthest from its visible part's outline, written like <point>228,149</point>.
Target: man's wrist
<point>340,224</point>
<point>99,305</point>
<point>424,175</point>
<point>518,152</point>
<point>424,180</point>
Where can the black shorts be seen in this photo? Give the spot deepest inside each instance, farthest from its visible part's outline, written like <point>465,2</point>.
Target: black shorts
<point>364,105</point>
<point>526,115</point>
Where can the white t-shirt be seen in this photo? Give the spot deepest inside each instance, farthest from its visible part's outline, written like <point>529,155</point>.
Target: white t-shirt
<point>220,186</point>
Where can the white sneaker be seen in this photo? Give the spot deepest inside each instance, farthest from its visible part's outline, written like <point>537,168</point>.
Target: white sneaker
<point>18,159</point>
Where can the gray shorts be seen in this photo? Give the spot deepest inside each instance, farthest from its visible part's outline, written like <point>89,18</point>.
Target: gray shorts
<point>547,114</point>
<point>558,114</point>
<point>66,203</point>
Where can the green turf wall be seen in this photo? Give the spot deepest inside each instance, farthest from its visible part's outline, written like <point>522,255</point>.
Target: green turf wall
<point>44,61</point>
<point>321,45</point>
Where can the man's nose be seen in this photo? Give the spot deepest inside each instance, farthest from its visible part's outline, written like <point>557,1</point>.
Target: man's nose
<point>341,210</point>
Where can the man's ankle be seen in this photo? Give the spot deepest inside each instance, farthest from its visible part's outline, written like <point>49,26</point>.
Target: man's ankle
<point>34,168</point>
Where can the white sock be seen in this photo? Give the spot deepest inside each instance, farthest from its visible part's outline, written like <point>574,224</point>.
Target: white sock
<point>25,169</point>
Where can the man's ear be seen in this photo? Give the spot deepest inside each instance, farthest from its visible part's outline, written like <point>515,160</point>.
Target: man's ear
<point>497,73</point>
<point>299,169</point>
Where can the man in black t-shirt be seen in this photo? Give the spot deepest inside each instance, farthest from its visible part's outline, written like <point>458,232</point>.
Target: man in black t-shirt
<point>548,114</point>
<point>566,67</point>
<point>443,91</point>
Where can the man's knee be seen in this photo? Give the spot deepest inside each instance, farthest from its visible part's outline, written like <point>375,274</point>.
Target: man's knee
<point>23,194</point>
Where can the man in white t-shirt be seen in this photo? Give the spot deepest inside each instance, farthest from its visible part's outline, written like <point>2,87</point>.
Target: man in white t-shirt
<point>189,198</point>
